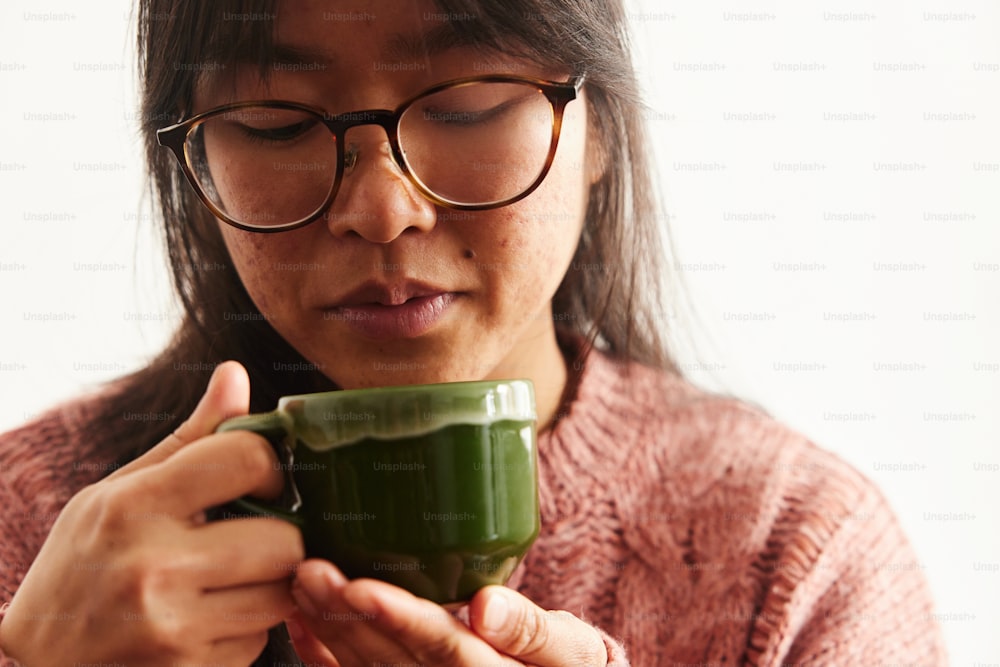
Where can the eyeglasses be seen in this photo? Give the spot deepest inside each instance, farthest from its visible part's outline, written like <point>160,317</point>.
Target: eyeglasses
<point>469,144</point>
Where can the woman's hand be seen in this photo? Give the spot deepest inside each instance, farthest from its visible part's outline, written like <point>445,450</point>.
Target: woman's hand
<point>365,622</point>
<point>131,573</point>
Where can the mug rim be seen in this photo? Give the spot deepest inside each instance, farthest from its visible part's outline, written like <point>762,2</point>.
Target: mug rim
<point>325,420</point>
<point>395,390</point>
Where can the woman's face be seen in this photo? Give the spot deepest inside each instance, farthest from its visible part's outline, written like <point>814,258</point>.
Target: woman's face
<point>389,288</point>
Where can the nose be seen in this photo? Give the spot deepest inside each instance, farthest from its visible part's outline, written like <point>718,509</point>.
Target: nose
<point>376,200</point>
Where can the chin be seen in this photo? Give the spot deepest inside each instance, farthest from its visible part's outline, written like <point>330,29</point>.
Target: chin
<point>394,370</point>
<point>396,374</point>
<point>429,359</point>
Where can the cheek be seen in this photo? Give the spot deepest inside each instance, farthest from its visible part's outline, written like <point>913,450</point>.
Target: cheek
<point>543,229</point>
<point>539,238</point>
<point>261,187</point>
<point>254,260</point>
<point>557,215</point>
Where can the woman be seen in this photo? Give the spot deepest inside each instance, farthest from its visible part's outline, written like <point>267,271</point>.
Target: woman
<point>678,528</point>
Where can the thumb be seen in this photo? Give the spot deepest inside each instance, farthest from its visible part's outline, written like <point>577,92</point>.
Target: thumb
<point>514,625</point>
<point>227,395</point>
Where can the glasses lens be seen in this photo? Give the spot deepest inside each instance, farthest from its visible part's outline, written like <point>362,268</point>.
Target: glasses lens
<point>264,166</point>
<point>478,143</point>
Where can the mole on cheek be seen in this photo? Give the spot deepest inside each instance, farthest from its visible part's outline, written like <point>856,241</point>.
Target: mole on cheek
<point>257,243</point>
<point>469,253</point>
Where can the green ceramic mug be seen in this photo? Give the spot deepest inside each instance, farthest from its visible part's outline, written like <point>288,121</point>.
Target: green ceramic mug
<point>433,488</point>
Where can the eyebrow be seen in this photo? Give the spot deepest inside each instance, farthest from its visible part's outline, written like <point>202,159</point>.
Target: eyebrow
<point>413,46</point>
<point>399,47</point>
<point>288,54</point>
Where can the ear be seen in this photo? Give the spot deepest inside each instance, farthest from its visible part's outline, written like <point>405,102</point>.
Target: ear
<point>597,163</point>
<point>596,151</point>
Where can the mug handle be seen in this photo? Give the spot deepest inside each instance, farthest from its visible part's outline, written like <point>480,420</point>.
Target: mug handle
<point>277,428</point>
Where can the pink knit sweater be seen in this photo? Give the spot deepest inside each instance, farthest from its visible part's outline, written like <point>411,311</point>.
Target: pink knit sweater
<point>692,528</point>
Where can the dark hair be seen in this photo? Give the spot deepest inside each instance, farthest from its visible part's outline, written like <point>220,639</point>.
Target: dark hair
<point>618,309</point>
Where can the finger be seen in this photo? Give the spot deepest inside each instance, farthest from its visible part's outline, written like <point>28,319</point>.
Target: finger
<point>273,551</point>
<point>233,651</point>
<point>317,591</point>
<point>237,612</point>
<point>215,470</point>
<point>227,395</point>
<point>514,625</point>
<point>388,623</point>
<point>308,647</point>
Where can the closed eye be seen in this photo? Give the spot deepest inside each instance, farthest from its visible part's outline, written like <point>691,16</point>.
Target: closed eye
<point>469,117</point>
<point>277,135</point>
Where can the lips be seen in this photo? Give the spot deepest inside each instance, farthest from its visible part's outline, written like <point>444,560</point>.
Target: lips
<point>392,311</point>
<point>374,293</point>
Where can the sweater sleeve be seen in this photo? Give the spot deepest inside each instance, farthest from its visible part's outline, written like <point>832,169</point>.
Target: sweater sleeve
<point>17,550</point>
<point>753,546</point>
<point>37,477</point>
<point>859,596</point>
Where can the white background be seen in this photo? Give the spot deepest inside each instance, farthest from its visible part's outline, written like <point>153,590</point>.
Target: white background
<point>832,176</point>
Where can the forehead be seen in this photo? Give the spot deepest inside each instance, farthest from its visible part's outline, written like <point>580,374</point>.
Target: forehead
<point>392,34</point>
<point>324,51</point>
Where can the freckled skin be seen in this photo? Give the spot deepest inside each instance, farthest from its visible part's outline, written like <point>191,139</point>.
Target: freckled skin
<point>506,263</point>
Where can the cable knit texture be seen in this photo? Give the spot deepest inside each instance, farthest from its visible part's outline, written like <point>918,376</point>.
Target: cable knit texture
<point>691,529</point>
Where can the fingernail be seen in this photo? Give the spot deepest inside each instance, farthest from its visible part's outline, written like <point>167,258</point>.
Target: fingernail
<point>303,601</point>
<point>497,611</point>
<point>295,631</point>
<point>335,578</point>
